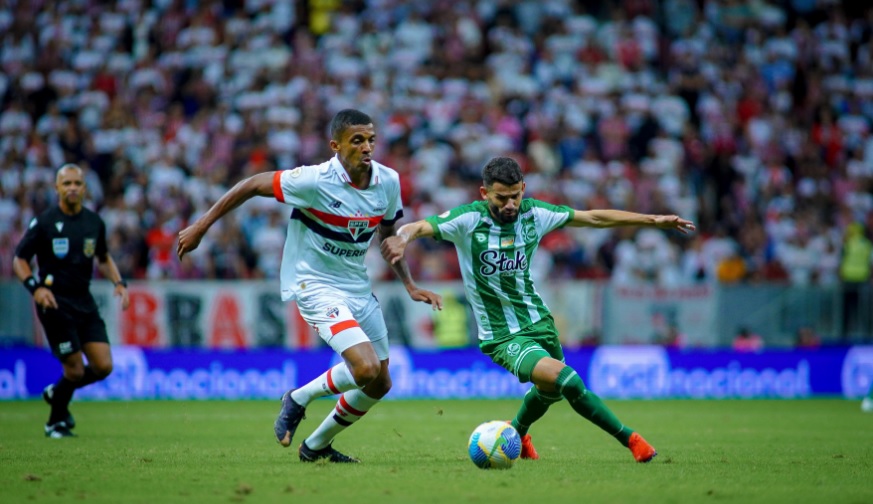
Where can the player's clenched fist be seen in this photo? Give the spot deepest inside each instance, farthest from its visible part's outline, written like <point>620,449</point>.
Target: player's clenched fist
<point>189,239</point>
<point>392,248</point>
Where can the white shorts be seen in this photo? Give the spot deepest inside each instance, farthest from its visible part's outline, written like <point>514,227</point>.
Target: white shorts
<point>343,322</point>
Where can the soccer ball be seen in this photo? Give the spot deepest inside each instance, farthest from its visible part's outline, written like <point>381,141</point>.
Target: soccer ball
<point>494,445</point>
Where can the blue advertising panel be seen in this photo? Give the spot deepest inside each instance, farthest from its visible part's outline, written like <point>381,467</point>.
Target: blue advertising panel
<point>610,371</point>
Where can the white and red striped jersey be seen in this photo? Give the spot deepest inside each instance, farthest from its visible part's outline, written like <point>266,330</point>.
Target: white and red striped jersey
<point>331,226</point>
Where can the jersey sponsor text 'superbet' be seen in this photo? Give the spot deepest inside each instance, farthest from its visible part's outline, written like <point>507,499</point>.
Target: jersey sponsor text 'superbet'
<point>495,261</point>
<point>332,225</point>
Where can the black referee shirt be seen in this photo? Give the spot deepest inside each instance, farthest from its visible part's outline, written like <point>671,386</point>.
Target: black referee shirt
<point>65,247</point>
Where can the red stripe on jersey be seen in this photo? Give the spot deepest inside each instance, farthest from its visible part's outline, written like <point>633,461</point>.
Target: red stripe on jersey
<point>348,408</point>
<point>340,220</point>
<point>342,326</point>
<point>330,384</point>
<point>277,186</point>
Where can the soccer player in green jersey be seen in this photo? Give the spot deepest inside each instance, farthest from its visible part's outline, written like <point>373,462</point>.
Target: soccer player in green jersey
<point>495,239</point>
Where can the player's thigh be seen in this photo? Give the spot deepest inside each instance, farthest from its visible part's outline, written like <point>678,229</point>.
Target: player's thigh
<point>334,322</point>
<point>95,342</point>
<point>520,353</point>
<point>368,312</point>
<point>61,330</point>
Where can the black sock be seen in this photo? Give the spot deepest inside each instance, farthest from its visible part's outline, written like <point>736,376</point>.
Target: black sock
<point>63,393</point>
<point>88,378</point>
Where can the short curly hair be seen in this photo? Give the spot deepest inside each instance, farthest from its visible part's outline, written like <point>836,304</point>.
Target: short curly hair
<point>345,118</point>
<point>502,169</point>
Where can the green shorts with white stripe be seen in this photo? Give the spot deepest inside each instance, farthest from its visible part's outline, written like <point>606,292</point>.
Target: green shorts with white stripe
<point>518,353</point>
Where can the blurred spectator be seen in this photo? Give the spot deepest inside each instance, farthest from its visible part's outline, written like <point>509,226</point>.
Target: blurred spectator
<point>747,341</point>
<point>855,273</point>
<point>731,269</point>
<point>673,338</point>
<point>752,119</point>
<point>807,338</point>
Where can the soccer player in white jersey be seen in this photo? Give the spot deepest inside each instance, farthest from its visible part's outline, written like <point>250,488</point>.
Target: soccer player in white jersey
<point>338,205</point>
<point>495,239</point>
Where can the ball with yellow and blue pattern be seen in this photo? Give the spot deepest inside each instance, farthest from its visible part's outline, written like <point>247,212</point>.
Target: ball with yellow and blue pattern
<point>494,445</point>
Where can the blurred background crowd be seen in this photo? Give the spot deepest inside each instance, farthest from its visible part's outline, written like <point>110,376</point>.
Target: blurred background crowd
<point>751,118</point>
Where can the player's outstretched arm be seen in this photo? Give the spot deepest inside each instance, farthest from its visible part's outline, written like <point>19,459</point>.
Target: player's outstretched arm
<point>393,245</point>
<point>613,218</point>
<point>256,185</point>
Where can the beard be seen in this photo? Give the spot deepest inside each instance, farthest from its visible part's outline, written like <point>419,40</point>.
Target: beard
<point>502,217</point>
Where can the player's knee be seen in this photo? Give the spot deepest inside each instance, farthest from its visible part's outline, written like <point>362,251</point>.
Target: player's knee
<point>102,370</point>
<point>381,386</point>
<point>378,388</point>
<point>366,372</point>
<point>74,374</point>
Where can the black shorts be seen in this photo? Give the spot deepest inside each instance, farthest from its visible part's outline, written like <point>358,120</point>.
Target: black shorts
<point>67,330</point>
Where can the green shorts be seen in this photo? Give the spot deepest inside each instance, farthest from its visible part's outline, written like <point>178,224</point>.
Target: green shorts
<point>518,353</point>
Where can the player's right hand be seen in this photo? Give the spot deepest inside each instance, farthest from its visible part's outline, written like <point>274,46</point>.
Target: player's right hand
<point>392,248</point>
<point>44,298</point>
<point>189,239</point>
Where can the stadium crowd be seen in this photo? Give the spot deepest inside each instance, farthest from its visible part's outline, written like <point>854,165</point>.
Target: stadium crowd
<point>750,118</point>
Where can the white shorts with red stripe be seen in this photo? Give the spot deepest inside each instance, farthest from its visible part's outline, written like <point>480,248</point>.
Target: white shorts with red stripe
<point>343,322</point>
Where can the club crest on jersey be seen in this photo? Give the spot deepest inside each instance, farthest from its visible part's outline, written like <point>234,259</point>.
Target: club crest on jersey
<point>358,226</point>
<point>90,247</point>
<point>530,232</point>
<point>513,349</point>
<point>332,312</point>
<point>60,246</point>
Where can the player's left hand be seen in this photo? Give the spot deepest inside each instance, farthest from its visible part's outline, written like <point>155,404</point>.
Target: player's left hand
<point>426,296</point>
<point>674,222</point>
<point>121,291</point>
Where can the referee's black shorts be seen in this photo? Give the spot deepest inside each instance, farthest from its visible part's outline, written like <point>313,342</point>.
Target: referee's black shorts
<point>68,329</point>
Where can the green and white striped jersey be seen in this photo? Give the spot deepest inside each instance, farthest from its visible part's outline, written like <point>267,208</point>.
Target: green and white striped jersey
<point>495,261</point>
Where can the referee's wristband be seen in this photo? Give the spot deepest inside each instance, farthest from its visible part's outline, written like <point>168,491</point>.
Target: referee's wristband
<point>31,284</point>
<point>121,283</point>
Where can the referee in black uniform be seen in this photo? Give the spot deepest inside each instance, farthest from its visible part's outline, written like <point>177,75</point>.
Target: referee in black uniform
<point>65,240</point>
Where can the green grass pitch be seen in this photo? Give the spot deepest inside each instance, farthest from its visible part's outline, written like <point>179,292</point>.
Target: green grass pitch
<point>415,452</point>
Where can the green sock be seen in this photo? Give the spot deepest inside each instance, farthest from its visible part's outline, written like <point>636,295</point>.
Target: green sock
<point>533,407</point>
<point>587,404</point>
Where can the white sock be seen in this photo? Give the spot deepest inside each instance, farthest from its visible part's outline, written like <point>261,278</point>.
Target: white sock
<point>334,381</point>
<point>351,406</point>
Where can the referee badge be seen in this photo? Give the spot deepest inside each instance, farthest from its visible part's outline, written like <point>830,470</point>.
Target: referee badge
<point>60,246</point>
<point>90,247</point>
